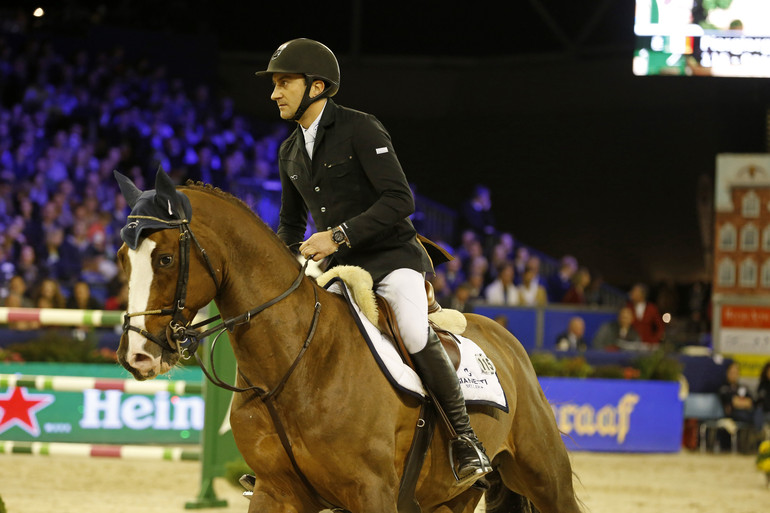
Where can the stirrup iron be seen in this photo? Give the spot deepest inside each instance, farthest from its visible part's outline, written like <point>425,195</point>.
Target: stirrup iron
<point>481,471</point>
<point>248,481</point>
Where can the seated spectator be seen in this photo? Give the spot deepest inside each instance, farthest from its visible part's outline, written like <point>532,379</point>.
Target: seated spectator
<point>647,319</point>
<point>572,339</point>
<point>81,298</point>
<point>476,261</point>
<point>118,300</point>
<point>497,259</point>
<point>475,283</point>
<point>502,291</point>
<point>468,239</point>
<point>27,265</point>
<point>534,263</point>
<point>576,294</point>
<point>61,259</point>
<point>738,405</point>
<point>461,300</point>
<point>453,271</point>
<point>17,298</point>
<point>612,334</point>
<point>520,262</point>
<point>49,295</point>
<point>17,293</point>
<point>763,399</point>
<point>531,293</point>
<point>735,396</point>
<point>593,292</point>
<point>559,283</point>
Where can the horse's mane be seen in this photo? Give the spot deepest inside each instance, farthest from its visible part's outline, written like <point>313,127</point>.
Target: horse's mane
<point>234,200</point>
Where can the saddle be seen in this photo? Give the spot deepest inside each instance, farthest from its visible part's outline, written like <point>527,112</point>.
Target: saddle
<point>386,322</point>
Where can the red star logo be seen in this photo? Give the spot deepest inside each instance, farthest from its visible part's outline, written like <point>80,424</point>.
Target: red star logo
<point>17,408</point>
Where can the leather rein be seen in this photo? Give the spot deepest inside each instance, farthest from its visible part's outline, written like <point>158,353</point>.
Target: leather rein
<point>187,338</point>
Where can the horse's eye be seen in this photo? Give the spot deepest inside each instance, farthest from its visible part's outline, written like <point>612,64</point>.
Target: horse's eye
<point>166,260</point>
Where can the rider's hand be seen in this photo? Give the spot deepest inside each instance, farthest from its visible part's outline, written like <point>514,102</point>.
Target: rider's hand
<point>319,246</point>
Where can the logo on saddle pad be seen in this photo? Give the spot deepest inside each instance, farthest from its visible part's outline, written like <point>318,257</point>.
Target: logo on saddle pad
<point>485,364</point>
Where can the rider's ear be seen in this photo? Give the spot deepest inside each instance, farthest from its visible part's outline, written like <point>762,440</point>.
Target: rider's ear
<point>127,188</point>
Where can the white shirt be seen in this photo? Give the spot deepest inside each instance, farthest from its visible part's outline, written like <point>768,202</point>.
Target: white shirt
<point>639,309</point>
<point>310,133</point>
<point>498,294</point>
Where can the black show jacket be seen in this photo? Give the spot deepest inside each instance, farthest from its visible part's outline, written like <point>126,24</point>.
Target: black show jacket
<point>354,180</point>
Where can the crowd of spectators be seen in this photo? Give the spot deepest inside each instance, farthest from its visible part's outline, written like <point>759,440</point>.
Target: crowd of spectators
<point>67,120</point>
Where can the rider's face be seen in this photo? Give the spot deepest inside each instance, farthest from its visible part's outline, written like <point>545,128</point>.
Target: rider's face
<point>288,90</point>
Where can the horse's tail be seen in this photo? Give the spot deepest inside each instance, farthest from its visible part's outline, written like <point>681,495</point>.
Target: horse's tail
<point>500,499</point>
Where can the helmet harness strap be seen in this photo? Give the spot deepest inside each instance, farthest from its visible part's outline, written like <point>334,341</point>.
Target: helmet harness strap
<point>307,101</point>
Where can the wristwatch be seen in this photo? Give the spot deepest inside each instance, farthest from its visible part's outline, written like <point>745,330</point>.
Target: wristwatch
<point>338,236</point>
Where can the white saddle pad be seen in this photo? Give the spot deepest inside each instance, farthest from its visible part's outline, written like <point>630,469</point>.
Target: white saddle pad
<point>477,374</point>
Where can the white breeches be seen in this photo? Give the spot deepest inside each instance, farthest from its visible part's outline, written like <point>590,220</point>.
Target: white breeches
<point>404,290</point>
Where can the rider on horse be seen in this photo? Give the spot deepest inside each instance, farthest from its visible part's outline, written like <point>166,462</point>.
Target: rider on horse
<point>339,164</point>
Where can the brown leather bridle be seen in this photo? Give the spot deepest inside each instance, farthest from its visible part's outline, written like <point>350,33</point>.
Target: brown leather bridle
<point>187,337</point>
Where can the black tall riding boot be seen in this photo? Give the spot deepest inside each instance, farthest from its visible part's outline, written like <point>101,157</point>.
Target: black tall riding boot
<point>439,377</point>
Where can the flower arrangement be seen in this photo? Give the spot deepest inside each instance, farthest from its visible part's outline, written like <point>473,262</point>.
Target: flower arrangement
<point>763,460</point>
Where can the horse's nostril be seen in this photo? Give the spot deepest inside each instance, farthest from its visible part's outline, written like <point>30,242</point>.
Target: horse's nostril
<point>140,358</point>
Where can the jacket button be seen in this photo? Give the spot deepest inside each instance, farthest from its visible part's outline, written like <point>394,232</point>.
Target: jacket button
<point>317,189</point>
<point>323,209</point>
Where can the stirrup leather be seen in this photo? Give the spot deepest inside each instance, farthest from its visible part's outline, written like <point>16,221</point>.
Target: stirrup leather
<point>483,467</point>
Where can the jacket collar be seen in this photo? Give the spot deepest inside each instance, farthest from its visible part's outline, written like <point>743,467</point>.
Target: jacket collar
<point>327,119</point>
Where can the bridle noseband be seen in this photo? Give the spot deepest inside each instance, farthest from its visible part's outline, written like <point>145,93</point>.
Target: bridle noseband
<point>186,337</point>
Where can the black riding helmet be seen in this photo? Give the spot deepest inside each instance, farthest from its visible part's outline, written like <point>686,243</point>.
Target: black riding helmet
<point>310,58</point>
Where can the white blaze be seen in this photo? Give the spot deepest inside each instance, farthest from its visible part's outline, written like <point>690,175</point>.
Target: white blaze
<point>139,285</point>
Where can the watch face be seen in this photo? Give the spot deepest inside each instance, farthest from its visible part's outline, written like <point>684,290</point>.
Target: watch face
<point>338,237</point>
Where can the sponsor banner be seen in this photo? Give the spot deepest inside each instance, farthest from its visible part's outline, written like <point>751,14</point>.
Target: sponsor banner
<point>616,415</point>
<point>745,341</point>
<point>594,415</point>
<point>92,415</point>
<point>746,316</point>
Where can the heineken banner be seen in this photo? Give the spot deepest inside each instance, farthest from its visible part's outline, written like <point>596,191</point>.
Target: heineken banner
<point>43,403</point>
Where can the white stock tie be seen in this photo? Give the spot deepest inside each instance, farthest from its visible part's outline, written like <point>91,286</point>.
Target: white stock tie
<point>309,142</point>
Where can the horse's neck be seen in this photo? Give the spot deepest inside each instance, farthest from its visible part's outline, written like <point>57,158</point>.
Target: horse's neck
<point>256,269</point>
<point>268,345</point>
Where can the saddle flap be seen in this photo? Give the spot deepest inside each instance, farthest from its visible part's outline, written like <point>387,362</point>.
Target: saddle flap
<point>386,322</point>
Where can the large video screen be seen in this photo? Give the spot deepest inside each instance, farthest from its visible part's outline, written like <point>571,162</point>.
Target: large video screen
<point>721,38</point>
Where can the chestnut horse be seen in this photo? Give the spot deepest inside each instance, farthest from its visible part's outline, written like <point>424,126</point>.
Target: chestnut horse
<point>347,428</point>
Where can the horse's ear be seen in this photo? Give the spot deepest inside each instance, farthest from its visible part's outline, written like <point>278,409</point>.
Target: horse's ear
<point>127,188</point>
<point>166,195</point>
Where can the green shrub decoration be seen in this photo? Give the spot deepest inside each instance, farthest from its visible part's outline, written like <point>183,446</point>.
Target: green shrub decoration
<point>60,346</point>
<point>610,371</point>
<point>653,366</point>
<point>2,506</point>
<point>577,367</point>
<point>545,364</point>
<point>658,366</point>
